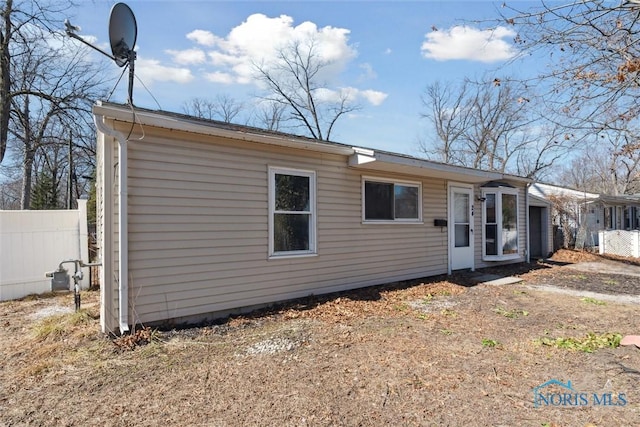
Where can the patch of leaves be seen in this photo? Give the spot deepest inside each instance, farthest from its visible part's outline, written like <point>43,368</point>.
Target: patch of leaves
<point>386,301</point>
<point>587,344</point>
<point>138,338</point>
<point>594,301</point>
<point>486,342</point>
<point>511,314</point>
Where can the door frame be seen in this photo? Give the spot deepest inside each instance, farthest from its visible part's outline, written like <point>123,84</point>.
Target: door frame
<point>451,228</point>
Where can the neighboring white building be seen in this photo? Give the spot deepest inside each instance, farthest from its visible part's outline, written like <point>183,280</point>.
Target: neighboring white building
<point>585,214</point>
<point>221,218</point>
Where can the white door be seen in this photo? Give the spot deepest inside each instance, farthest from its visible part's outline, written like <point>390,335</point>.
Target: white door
<point>461,227</point>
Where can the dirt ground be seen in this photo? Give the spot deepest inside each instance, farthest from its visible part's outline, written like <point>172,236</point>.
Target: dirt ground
<point>441,352</point>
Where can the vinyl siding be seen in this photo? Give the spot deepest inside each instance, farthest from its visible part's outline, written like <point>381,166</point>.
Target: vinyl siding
<point>198,229</point>
<point>199,234</point>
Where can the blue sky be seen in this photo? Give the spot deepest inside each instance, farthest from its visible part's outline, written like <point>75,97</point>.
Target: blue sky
<point>388,52</point>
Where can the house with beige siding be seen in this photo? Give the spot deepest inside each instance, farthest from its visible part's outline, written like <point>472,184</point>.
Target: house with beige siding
<point>198,219</point>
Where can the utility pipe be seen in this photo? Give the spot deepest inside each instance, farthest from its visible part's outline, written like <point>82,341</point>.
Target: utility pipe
<point>123,236</point>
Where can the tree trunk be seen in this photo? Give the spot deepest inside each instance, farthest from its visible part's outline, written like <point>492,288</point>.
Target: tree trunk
<point>29,157</point>
<point>5,77</point>
<point>27,173</point>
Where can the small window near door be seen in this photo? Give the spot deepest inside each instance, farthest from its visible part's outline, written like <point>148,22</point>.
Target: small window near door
<point>461,219</point>
<point>391,201</point>
<point>500,223</point>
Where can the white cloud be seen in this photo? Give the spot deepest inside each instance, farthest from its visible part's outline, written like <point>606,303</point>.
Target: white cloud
<point>230,59</point>
<point>189,56</point>
<point>259,39</point>
<point>92,40</point>
<point>150,71</point>
<point>202,37</point>
<point>374,97</point>
<point>367,72</point>
<point>222,59</point>
<point>329,95</point>
<point>218,77</point>
<point>468,43</point>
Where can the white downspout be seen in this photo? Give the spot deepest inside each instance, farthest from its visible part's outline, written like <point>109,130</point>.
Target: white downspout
<point>528,231</point>
<point>123,237</point>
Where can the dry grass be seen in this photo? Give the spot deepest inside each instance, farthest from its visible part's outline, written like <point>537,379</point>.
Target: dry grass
<point>434,353</point>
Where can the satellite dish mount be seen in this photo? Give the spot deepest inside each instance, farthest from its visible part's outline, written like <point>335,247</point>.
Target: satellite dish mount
<point>123,33</point>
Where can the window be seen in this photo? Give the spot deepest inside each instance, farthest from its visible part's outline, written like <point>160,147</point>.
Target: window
<point>391,201</point>
<point>609,214</point>
<point>292,215</point>
<point>627,221</point>
<point>633,217</point>
<point>500,221</point>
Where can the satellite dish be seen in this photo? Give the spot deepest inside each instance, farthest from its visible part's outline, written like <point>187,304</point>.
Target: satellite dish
<point>123,32</point>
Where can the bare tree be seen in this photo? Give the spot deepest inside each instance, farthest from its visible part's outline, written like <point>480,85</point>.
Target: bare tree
<point>489,125</point>
<point>6,35</point>
<point>610,167</point>
<point>593,55</point>
<point>294,81</point>
<point>24,22</point>
<point>566,212</point>
<point>223,108</point>
<point>446,110</point>
<point>10,189</point>
<point>269,115</point>
<point>52,88</point>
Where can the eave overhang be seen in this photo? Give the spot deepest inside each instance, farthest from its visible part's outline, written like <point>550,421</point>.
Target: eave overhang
<point>202,127</point>
<point>376,161</point>
<point>358,158</point>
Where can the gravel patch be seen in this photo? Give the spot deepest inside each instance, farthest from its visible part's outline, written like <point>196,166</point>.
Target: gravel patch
<point>52,310</point>
<point>432,305</point>
<point>273,345</point>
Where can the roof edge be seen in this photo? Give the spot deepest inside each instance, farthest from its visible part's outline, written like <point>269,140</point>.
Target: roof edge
<point>359,155</point>
<point>174,122</point>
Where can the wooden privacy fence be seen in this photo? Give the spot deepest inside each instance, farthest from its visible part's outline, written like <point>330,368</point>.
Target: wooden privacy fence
<point>620,242</point>
<point>35,242</point>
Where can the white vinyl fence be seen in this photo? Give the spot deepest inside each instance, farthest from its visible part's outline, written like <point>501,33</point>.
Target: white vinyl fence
<point>620,242</point>
<point>35,242</point>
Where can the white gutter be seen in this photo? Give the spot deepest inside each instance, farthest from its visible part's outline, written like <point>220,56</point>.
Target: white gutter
<point>123,237</point>
<point>167,121</point>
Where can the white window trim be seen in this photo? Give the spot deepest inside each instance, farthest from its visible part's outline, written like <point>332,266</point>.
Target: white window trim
<point>313,249</point>
<point>499,191</point>
<point>416,184</point>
